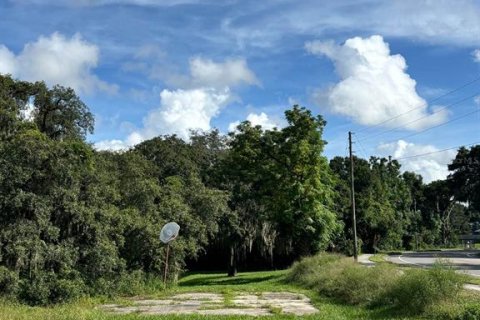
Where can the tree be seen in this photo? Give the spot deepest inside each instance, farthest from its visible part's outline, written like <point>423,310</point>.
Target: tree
<point>281,187</point>
<point>382,202</point>
<point>302,188</point>
<point>465,177</point>
<point>60,114</point>
<point>14,99</point>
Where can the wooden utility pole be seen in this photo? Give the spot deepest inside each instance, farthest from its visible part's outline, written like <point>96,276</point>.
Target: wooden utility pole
<point>352,199</point>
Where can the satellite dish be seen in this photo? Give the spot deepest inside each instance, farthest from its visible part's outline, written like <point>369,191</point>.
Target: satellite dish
<point>169,232</point>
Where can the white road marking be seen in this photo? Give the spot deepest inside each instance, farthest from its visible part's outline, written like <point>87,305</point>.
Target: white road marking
<point>409,262</point>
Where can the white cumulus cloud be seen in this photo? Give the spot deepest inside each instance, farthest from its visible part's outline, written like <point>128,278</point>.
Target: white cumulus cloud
<point>206,91</point>
<point>56,60</point>
<point>256,119</point>
<point>432,165</point>
<point>180,111</point>
<point>374,85</point>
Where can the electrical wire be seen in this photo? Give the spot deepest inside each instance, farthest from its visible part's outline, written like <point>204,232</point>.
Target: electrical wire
<point>422,105</point>
<point>436,126</point>
<point>438,151</point>
<point>369,137</point>
<point>361,147</point>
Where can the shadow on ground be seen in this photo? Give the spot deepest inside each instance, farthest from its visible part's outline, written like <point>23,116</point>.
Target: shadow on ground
<point>223,280</point>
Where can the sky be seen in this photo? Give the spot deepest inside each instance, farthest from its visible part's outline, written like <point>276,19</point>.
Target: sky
<point>402,75</point>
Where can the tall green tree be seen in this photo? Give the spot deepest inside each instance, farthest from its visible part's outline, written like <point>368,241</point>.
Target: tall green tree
<point>60,114</point>
<point>281,186</point>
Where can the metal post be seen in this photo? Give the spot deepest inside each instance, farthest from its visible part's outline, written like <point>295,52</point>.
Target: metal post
<point>352,198</point>
<point>166,266</point>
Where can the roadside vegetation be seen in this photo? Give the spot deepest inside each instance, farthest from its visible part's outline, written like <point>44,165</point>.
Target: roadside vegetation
<point>408,292</point>
<point>338,288</point>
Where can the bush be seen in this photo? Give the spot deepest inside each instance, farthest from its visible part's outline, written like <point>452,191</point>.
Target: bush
<point>47,288</point>
<point>36,291</point>
<point>131,283</point>
<point>357,284</point>
<point>8,282</point>
<point>346,281</point>
<point>419,289</point>
<point>126,283</point>
<point>309,271</point>
<point>462,310</point>
<point>341,278</point>
<point>63,290</point>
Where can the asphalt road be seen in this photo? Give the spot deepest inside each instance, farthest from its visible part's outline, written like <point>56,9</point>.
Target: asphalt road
<point>467,261</point>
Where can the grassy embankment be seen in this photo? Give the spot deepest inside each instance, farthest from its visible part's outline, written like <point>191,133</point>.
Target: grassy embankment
<point>337,287</point>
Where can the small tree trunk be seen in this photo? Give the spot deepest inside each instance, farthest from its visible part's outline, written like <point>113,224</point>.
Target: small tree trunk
<point>232,266</point>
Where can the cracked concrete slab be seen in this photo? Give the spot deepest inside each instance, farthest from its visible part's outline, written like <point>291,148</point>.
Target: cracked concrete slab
<point>261,304</point>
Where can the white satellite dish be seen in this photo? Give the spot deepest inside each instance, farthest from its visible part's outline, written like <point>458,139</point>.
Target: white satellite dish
<point>168,233</point>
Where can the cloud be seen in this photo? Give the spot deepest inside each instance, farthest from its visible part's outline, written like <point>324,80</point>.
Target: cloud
<point>200,98</point>
<point>437,22</point>
<point>111,145</point>
<point>183,110</point>
<point>476,55</point>
<point>374,85</point>
<point>180,111</point>
<point>70,3</point>
<point>431,166</point>
<point>7,61</point>
<point>57,60</point>
<point>205,72</point>
<point>256,119</point>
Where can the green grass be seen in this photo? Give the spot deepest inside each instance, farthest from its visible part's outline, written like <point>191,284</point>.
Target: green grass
<point>473,280</point>
<point>378,258</point>
<point>251,282</point>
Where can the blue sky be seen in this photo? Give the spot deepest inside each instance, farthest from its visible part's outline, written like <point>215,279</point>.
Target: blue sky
<point>148,67</point>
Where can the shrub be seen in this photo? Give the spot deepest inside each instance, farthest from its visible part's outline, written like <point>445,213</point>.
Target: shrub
<point>309,271</point>
<point>357,284</point>
<point>36,291</point>
<point>8,281</point>
<point>419,289</point>
<point>467,308</point>
<point>131,283</point>
<point>63,290</point>
<point>344,280</point>
<point>46,288</point>
<point>341,278</point>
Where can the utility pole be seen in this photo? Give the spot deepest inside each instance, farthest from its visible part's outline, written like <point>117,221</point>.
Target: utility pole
<point>352,199</point>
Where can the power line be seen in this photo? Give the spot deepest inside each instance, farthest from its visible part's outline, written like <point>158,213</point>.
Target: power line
<point>418,119</point>
<point>438,151</point>
<point>422,105</point>
<point>361,146</point>
<point>436,126</point>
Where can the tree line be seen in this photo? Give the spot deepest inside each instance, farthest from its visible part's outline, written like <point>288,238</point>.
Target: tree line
<point>76,221</point>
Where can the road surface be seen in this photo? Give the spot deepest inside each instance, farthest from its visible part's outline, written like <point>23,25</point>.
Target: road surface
<point>467,261</point>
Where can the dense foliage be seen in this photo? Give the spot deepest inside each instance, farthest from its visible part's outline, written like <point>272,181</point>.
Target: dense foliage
<point>76,221</point>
